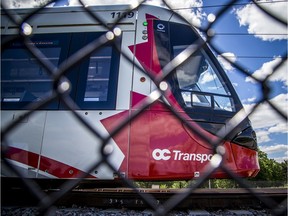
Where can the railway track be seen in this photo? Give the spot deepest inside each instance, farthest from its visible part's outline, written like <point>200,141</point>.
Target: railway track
<point>124,198</point>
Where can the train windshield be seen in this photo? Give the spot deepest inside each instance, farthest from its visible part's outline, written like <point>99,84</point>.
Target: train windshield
<point>200,84</point>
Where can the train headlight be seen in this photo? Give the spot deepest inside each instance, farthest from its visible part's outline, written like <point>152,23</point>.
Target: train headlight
<point>246,138</point>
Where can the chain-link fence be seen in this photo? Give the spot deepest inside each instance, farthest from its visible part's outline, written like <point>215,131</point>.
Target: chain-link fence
<point>61,90</point>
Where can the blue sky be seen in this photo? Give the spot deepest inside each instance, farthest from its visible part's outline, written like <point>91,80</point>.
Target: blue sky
<point>256,43</point>
<point>251,39</point>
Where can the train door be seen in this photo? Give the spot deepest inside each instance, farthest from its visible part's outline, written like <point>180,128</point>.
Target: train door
<point>147,57</point>
<point>69,148</point>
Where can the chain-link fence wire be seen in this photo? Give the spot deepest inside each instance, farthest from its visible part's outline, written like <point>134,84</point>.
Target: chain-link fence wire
<point>62,87</point>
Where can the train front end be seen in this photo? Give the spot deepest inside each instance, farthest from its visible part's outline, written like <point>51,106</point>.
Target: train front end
<point>199,91</point>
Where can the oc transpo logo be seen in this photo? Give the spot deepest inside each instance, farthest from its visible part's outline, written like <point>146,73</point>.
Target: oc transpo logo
<point>161,27</point>
<point>177,155</point>
<point>163,154</point>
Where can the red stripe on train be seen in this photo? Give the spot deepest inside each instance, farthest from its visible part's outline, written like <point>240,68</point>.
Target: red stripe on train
<point>48,165</point>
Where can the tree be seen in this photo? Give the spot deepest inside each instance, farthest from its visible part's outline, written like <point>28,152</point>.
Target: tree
<point>284,167</point>
<point>271,170</point>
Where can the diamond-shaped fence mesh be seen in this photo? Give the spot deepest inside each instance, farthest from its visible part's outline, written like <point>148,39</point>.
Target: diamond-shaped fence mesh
<point>63,91</point>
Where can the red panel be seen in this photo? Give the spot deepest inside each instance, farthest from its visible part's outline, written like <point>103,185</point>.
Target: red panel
<point>121,138</point>
<point>23,156</point>
<point>178,151</point>
<point>146,52</point>
<point>53,167</point>
<point>157,130</point>
<point>136,99</point>
<point>60,170</point>
<point>168,133</point>
<point>139,155</point>
<point>196,128</point>
<point>246,160</point>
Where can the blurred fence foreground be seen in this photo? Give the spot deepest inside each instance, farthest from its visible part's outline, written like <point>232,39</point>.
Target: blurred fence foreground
<point>59,96</point>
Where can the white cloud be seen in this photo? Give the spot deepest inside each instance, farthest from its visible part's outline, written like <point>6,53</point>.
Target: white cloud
<point>274,148</point>
<point>279,128</point>
<point>262,136</point>
<point>22,3</point>
<point>190,9</point>
<point>252,99</point>
<point>262,25</point>
<point>226,64</point>
<point>265,119</point>
<point>249,100</point>
<point>280,74</point>
<point>207,77</point>
<point>280,159</point>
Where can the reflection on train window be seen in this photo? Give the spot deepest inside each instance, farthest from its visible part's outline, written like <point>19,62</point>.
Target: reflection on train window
<point>23,79</point>
<point>98,75</point>
<point>200,84</point>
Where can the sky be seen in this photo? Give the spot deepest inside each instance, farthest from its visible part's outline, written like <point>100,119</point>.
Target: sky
<point>249,38</point>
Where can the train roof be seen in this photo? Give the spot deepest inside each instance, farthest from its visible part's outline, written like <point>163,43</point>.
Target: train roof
<point>77,19</point>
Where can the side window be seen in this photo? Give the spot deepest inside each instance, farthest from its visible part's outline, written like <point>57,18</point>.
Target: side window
<point>23,79</point>
<point>97,77</point>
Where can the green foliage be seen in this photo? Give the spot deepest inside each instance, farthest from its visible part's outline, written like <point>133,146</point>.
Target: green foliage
<point>164,184</point>
<point>284,167</point>
<point>271,170</point>
<point>223,183</point>
<point>180,184</point>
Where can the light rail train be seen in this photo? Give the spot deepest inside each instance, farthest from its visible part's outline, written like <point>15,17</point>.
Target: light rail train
<point>107,88</point>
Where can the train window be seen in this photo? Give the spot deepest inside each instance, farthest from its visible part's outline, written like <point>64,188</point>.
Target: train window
<point>98,75</point>
<point>224,103</point>
<point>97,78</point>
<point>23,79</point>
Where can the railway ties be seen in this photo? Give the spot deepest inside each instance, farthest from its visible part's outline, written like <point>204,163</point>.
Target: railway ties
<point>223,201</point>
